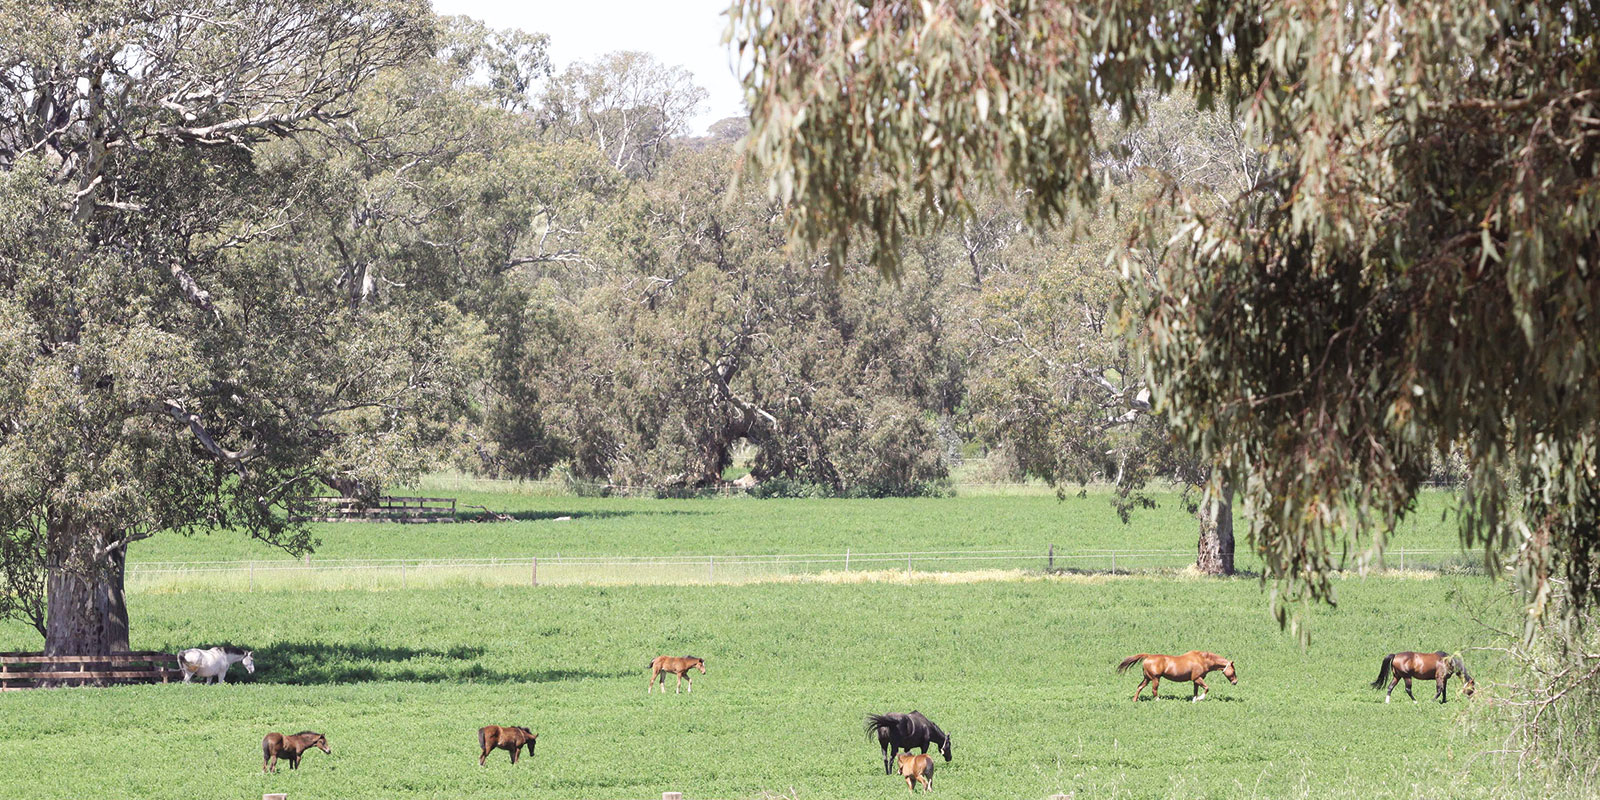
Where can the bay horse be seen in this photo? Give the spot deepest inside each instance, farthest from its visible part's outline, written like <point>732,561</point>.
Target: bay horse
<point>660,665</point>
<point>1438,667</point>
<point>511,738</point>
<point>917,768</point>
<point>290,747</point>
<point>1191,666</point>
<point>213,662</point>
<point>897,732</point>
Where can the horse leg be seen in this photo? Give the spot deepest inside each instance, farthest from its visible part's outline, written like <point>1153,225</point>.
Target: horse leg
<point>1408,691</point>
<point>1142,684</point>
<point>484,756</point>
<point>690,679</point>
<point>1155,688</point>
<point>1390,694</point>
<point>677,688</point>
<point>1201,689</point>
<point>1441,694</point>
<point>274,763</point>
<point>515,751</point>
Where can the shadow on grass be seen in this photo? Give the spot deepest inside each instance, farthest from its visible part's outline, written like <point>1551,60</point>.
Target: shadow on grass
<point>311,663</point>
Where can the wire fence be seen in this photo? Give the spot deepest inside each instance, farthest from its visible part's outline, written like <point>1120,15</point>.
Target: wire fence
<point>558,569</point>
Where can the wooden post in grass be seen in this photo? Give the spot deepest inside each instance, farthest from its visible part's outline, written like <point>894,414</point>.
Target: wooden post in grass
<point>275,796</point>
<point>711,568</point>
<point>252,576</point>
<point>908,566</point>
<point>1052,566</point>
<point>402,574</point>
<point>847,559</point>
<point>535,571</point>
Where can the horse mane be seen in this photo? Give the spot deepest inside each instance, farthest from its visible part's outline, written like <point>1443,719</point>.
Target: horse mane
<point>308,733</point>
<point>694,658</point>
<point>1456,663</point>
<point>233,651</point>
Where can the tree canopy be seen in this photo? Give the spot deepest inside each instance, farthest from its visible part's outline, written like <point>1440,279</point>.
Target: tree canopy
<point>1410,269</point>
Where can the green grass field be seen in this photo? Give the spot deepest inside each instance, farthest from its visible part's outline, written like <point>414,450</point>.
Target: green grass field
<point>1020,671</point>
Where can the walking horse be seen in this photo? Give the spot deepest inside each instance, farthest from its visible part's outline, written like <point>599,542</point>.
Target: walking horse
<point>1191,666</point>
<point>1436,667</point>
<point>661,665</point>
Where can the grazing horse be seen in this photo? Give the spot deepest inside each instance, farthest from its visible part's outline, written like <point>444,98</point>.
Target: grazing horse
<point>1191,666</point>
<point>661,665</point>
<point>290,747</point>
<point>917,768</point>
<point>510,737</point>
<point>213,663</point>
<point>897,732</point>
<point>1427,666</point>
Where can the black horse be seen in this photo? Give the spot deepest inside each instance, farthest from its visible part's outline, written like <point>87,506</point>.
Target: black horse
<point>898,732</point>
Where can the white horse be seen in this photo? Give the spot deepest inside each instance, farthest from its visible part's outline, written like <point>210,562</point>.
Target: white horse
<point>213,663</point>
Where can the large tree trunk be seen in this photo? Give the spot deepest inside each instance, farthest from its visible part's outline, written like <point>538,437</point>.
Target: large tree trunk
<point>85,612</point>
<point>1216,536</point>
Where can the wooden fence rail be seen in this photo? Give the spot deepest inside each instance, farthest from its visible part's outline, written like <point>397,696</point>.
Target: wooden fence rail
<point>382,509</point>
<point>30,670</point>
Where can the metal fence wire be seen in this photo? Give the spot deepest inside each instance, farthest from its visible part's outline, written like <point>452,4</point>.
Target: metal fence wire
<point>559,569</point>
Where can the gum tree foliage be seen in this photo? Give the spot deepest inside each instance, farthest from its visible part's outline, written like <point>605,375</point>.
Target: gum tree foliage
<point>704,335</point>
<point>626,103</point>
<point>1413,267</point>
<point>172,360</point>
<point>1059,377</point>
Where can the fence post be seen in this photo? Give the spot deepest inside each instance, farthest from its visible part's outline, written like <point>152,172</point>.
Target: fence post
<point>252,576</point>
<point>1052,567</point>
<point>908,566</point>
<point>711,568</point>
<point>847,559</point>
<point>1402,560</point>
<point>402,574</point>
<point>535,570</point>
<point>1113,563</point>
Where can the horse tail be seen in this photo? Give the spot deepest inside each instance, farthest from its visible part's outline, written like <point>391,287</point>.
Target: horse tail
<point>480,738</point>
<point>877,722</point>
<point>1383,672</point>
<point>1130,661</point>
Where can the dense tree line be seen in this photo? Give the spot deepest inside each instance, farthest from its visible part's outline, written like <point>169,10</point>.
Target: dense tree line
<point>251,251</point>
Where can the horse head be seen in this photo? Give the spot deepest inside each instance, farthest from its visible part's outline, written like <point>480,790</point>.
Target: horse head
<point>701,663</point>
<point>533,739</point>
<point>946,749</point>
<point>249,661</point>
<point>1228,672</point>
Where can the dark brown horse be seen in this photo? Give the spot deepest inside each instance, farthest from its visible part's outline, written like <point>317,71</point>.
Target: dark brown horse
<point>1436,667</point>
<point>1191,666</point>
<point>290,747</point>
<point>918,768</point>
<point>506,738</point>
<point>661,665</point>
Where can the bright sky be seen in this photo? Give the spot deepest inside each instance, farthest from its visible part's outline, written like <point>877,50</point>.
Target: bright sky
<point>686,33</point>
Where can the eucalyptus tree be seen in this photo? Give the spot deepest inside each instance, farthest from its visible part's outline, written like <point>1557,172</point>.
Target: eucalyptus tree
<point>706,334</point>
<point>171,362</point>
<point>627,103</point>
<point>1411,268</point>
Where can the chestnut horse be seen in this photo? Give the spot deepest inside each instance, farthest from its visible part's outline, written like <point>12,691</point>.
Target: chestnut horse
<point>506,738</point>
<point>1437,667</point>
<point>679,666</point>
<point>290,747</point>
<point>1191,666</point>
<point>916,767</point>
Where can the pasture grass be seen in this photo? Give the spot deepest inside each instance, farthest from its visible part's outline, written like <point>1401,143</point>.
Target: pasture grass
<point>745,526</point>
<point>1019,671</point>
